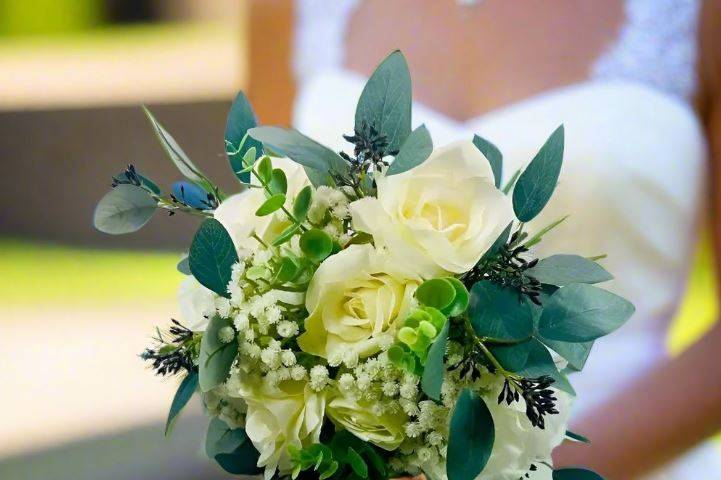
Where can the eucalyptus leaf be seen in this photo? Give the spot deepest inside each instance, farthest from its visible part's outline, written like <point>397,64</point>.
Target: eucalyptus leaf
<point>212,256</point>
<point>216,357</point>
<point>124,209</point>
<point>182,397</point>
<point>184,265</point>
<point>563,270</point>
<point>415,150</point>
<point>575,353</point>
<point>540,362</point>
<point>242,461</point>
<point>271,205</point>
<point>493,155</point>
<point>385,103</point>
<point>241,118</point>
<point>581,313</point>
<point>434,369</point>
<point>471,437</point>
<point>576,437</point>
<point>499,313</point>
<point>575,474</point>
<point>220,438</point>
<point>303,150</point>
<point>537,183</point>
<point>513,357</point>
<point>176,154</point>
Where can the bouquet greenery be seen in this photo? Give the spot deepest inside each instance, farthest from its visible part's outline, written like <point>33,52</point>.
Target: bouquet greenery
<point>371,314</point>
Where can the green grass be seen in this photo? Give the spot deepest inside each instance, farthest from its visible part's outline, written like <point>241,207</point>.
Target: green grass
<point>40,274</point>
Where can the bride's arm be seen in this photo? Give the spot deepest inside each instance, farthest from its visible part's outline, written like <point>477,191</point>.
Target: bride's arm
<point>679,404</point>
<point>270,39</point>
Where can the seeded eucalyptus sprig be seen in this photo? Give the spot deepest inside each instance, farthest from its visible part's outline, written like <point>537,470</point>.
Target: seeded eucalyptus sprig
<point>507,267</point>
<point>174,352</point>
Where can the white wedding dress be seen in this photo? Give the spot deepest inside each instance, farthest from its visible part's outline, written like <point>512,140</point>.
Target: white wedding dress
<point>632,179</point>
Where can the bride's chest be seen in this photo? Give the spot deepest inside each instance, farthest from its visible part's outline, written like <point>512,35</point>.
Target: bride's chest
<point>470,60</point>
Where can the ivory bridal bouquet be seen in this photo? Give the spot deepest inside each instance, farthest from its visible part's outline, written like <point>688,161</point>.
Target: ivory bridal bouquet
<point>377,312</point>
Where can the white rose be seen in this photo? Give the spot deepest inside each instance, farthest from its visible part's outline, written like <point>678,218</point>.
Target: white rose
<point>442,215</point>
<point>354,300</point>
<point>237,212</point>
<point>290,413</point>
<point>356,416</point>
<point>197,304</point>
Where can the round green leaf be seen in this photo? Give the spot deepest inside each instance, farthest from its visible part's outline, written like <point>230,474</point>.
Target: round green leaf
<point>287,270</point>
<point>316,244</point>
<point>271,205</point>
<point>499,313</point>
<point>581,313</point>
<point>265,169</point>
<point>124,209</point>
<point>472,434</point>
<point>278,182</point>
<point>460,301</point>
<point>212,256</point>
<point>437,293</point>
<point>216,357</point>
<point>302,203</point>
<point>575,474</point>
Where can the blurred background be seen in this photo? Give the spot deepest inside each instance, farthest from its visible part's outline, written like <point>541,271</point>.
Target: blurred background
<point>76,306</point>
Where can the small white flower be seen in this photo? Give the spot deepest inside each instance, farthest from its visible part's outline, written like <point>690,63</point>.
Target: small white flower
<point>390,389</point>
<point>286,328</point>
<point>298,372</point>
<point>226,334</point>
<point>363,381</point>
<point>346,381</point>
<point>241,322</point>
<point>335,358</point>
<point>318,377</point>
<point>425,454</point>
<point>270,357</point>
<point>288,358</point>
<point>350,358</point>
<point>273,314</point>
<point>408,390</point>
<point>434,438</point>
<point>413,430</point>
<point>223,306</point>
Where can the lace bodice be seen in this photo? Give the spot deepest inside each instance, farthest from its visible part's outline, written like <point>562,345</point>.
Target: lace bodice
<point>656,45</point>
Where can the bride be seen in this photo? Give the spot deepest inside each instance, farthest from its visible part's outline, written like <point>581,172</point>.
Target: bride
<point>623,76</point>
